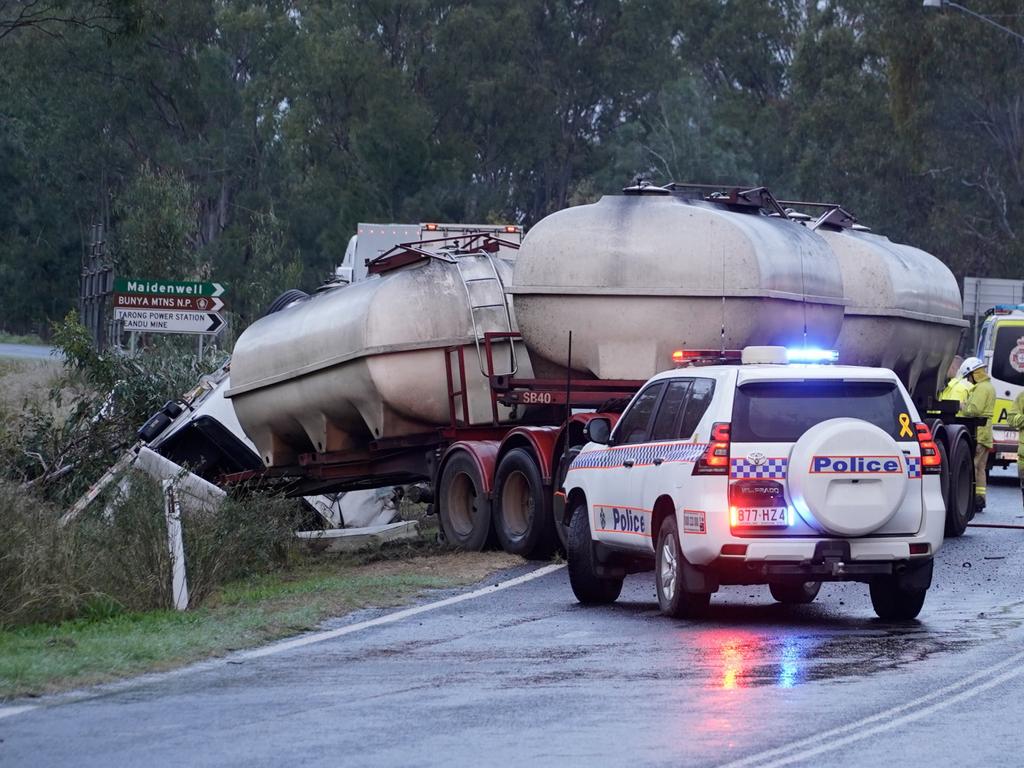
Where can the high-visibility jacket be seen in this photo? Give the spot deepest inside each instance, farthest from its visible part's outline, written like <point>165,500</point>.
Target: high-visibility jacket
<point>957,389</point>
<point>981,402</point>
<point>1015,418</point>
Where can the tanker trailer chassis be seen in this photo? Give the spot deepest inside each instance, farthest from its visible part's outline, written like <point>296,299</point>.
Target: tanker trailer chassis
<point>491,484</point>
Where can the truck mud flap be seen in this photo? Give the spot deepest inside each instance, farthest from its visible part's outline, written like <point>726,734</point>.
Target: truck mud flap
<point>915,576</point>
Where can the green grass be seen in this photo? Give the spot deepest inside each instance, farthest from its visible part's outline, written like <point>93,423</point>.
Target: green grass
<point>12,338</point>
<point>44,658</point>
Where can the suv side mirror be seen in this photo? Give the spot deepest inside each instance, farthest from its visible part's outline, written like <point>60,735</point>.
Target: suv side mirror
<point>597,430</point>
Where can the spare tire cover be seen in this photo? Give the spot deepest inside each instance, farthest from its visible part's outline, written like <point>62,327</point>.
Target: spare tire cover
<point>847,477</point>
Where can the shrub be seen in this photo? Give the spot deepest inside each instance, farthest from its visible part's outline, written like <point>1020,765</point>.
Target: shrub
<point>61,444</point>
<point>115,557</point>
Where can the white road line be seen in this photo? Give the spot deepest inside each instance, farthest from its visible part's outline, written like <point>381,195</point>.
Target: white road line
<point>11,711</point>
<point>302,640</point>
<point>888,719</point>
<point>330,634</point>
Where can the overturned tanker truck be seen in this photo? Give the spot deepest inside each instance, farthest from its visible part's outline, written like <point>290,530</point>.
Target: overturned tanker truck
<point>453,364</point>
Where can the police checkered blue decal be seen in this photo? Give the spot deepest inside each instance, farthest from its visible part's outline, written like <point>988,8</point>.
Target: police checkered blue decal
<point>606,458</point>
<point>913,466</point>
<point>773,468</point>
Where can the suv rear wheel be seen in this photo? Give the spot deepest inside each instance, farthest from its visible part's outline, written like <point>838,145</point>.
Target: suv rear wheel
<point>587,585</point>
<point>673,599</point>
<point>894,602</point>
<point>795,594</point>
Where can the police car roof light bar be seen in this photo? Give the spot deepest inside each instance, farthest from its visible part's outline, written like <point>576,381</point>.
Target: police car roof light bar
<point>688,357</point>
<point>811,355</point>
<point>1004,309</point>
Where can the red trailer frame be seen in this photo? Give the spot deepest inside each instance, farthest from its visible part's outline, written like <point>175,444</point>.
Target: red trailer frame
<point>427,457</point>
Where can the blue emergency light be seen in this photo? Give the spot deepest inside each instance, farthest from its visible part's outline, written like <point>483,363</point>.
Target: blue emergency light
<point>811,355</point>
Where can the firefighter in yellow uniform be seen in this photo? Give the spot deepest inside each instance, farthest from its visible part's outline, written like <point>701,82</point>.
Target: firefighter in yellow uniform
<point>980,403</point>
<point>1015,418</point>
<point>958,386</point>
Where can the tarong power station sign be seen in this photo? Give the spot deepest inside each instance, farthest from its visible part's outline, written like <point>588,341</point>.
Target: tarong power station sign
<point>168,306</point>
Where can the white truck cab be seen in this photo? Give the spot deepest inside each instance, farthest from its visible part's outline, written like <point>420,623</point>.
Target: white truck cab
<point>771,472</point>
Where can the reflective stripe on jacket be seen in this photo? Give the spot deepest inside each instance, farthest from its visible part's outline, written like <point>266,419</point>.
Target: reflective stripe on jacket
<point>1015,419</point>
<point>980,402</point>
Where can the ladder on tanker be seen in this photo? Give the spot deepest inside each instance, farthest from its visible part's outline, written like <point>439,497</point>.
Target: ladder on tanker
<point>488,307</point>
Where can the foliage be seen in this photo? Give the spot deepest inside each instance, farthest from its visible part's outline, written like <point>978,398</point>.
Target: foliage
<point>52,573</point>
<point>60,445</point>
<point>156,229</point>
<point>221,138</point>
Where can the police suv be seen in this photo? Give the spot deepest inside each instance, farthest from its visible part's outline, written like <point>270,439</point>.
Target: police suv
<point>767,472</point>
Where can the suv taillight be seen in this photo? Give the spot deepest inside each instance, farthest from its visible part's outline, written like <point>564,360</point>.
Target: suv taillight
<point>715,460</point>
<point>931,461</point>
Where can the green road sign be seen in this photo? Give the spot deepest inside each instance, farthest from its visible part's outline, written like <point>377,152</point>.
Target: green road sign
<point>167,287</point>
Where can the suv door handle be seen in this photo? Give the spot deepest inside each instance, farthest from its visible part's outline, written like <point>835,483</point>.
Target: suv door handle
<point>658,461</point>
<point>628,462</point>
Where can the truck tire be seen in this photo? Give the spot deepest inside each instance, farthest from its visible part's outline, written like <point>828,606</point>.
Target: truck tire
<point>522,508</point>
<point>795,594</point>
<point>893,602</point>
<point>960,467</point>
<point>587,585</point>
<point>462,505</point>
<point>562,527</point>
<point>673,599</point>
<point>944,475</point>
<point>286,298</point>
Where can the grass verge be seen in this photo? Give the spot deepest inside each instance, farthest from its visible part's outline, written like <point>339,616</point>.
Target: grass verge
<point>14,338</point>
<point>41,658</point>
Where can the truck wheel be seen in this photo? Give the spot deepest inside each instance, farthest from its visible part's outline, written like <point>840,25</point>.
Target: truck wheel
<point>463,508</point>
<point>589,588</point>
<point>522,509</point>
<point>288,297</point>
<point>944,475</point>
<point>795,594</point>
<point>893,602</point>
<point>558,511</point>
<point>961,486</point>
<point>673,599</point>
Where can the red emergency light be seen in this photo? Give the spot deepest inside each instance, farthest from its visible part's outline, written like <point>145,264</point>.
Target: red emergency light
<point>705,356</point>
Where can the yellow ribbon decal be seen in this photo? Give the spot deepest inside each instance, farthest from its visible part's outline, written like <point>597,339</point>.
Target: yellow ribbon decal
<point>905,430</point>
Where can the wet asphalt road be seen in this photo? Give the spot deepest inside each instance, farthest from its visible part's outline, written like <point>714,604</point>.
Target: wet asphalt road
<point>527,676</point>
<point>26,351</point>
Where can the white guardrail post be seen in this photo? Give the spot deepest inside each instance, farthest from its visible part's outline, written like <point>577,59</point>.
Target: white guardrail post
<point>175,545</point>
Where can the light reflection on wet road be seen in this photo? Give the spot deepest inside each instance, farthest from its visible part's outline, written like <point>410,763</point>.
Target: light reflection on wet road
<point>527,676</point>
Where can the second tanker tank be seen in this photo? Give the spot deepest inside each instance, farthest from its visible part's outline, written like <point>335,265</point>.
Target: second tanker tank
<point>636,277</point>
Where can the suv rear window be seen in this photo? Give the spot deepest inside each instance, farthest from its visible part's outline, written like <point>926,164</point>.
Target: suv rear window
<point>782,411</point>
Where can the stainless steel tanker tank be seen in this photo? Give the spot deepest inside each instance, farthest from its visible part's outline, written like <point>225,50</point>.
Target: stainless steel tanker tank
<point>366,361</point>
<point>637,277</point>
<point>903,308</point>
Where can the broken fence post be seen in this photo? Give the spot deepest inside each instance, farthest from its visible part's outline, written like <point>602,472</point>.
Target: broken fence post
<point>175,545</point>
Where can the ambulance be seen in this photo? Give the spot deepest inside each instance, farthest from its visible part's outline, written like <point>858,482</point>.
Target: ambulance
<point>1001,346</point>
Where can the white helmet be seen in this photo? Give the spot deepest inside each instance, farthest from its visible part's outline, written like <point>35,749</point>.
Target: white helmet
<point>969,366</point>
